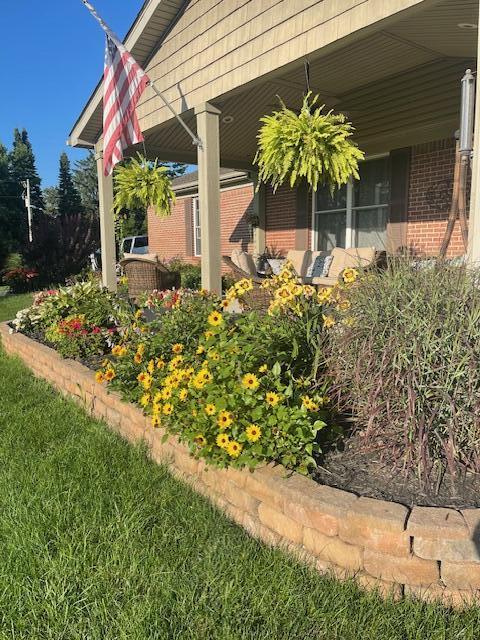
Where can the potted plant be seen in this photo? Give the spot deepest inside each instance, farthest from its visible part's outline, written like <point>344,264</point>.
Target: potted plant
<point>310,145</point>
<point>140,184</point>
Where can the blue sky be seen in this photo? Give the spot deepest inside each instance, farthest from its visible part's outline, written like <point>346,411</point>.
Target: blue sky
<point>51,57</point>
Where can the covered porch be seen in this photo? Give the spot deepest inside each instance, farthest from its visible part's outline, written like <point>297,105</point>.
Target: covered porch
<point>394,68</point>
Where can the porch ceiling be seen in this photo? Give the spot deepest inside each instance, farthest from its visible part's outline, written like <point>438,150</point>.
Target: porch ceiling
<point>399,85</point>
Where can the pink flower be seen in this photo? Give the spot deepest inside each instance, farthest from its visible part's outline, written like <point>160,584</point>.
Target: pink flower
<point>96,330</point>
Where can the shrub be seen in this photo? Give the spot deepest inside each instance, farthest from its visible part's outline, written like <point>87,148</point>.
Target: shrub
<point>404,358</point>
<point>20,279</point>
<point>80,320</point>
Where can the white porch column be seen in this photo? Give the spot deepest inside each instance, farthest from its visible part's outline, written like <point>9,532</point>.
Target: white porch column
<point>474,220</point>
<point>107,224</point>
<point>259,211</point>
<point>209,195</point>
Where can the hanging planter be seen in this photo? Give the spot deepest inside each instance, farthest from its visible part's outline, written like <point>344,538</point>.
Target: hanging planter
<point>141,184</point>
<point>309,145</point>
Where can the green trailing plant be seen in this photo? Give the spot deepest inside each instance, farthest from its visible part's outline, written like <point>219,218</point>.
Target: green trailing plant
<point>310,145</point>
<point>141,184</point>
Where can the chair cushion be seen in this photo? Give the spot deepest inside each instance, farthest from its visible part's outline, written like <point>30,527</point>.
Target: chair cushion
<point>300,260</point>
<point>276,265</point>
<point>244,261</point>
<point>324,281</point>
<point>144,257</point>
<point>356,258</point>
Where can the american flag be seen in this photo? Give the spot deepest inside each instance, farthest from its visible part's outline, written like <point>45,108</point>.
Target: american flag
<point>123,83</point>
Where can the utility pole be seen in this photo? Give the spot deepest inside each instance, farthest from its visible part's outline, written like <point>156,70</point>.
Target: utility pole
<point>28,205</point>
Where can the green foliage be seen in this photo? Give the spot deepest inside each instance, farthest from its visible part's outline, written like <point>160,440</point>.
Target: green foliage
<point>141,184</point>
<point>69,201</point>
<point>22,166</point>
<point>190,274</point>
<point>405,364</point>
<point>85,180</point>
<point>311,146</point>
<point>12,212</point>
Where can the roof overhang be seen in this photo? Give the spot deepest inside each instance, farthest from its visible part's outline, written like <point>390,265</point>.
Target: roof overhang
<point>152,24</point>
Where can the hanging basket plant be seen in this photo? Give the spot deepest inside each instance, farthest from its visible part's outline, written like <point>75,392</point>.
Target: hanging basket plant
<point>141,184</point>
<point>309,145</point>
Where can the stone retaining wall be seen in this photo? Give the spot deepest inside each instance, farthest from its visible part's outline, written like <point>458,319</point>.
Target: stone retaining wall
<point>428,552</point>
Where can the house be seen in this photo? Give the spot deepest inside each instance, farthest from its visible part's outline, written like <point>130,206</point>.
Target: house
<point>394,68</point>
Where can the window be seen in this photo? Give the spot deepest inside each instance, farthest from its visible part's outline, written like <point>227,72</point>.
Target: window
<point>356,215</point>
<point>197,234</point>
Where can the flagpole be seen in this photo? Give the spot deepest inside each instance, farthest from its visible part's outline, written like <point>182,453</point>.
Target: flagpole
<point>195,139</point>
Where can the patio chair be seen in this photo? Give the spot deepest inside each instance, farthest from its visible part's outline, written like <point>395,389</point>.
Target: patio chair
<point>145,273</point>
<point>258,298</point>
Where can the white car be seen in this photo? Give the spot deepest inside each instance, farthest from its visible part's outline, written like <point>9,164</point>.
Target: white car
<point>134,244</point>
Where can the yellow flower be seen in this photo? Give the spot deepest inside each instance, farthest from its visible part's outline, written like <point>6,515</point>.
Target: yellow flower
<point>145,399</point>
<point>324,295</point>
<point>158,396</point>
<point>141,349</point>
<point>167,409</point>
<point>116,350</point>
<point>250,381</point>
<point>222,440</point>
<point>204,376</point>
<point>225,303</point>
<point>175,362</point>
<point>151,366</point>
<point>160,363</point>
<point>137,357</point>
<point>215,319</point>
<point>200,440</point>
<point>225,419</point>
<point>155,421</point>
<point>349,275</point>
<point>200,350</point>
<point>213,355</point>
<point>122,351</point>
<point>99,377</point>
<point>263,368</point>
<point>210,409</point>
<point>328,321</point>
<point>156,408</point>
<point>234,449</point>
<point>183,393</point>
<point>177,348</point>
<point>272,398</point>
<point>208,334</point>
<point>344,305</point>
<point>109,375</point>
<point>138,314</point>
<point>123,280</point>
<point>253,432</point>
<point>166,393</point>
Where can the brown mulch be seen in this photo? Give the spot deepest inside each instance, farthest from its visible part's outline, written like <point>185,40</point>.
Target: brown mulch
<point>367,475</point>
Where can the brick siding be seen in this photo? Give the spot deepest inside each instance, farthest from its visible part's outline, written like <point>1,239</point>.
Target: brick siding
<point>430,194</point>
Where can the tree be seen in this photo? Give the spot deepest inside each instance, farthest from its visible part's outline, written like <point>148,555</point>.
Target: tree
<point>22,167</point>
<point>12,212</point>
<point>86,181</point>
<point>51,198</point>
<point>68,197</point>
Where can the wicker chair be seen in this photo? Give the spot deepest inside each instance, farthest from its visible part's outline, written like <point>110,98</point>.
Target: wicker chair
<point>258,298</point>
<point>146,274</point>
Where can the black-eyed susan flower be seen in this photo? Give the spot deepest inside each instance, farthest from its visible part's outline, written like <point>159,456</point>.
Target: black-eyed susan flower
<point>109,375</point>
<point>155,421</point>
<point>177,348</point>
<point>151,366</point>
<point>272,398</point>
<point>166,393</point>
<point>200,349</point>
<point>210,409</point>
<point>222,440</point>
<point>99,377</point>
<point>215,319</point>
<point>160,363</point>
<point>145,399</point>
<point>208,334</point>
<point>200,440</point>
<point>182,394</point>
<point>349,275</point>
<point>328,321</point>
<point>250,381</point>
<point>263,368</point>
<point>167,409</point>
<point>253,432</point>
<point>137,358</point>
<point>234,449</point>
<point>224,419</point>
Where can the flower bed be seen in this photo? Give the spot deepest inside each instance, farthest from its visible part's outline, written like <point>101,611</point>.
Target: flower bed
<point>432,553</point>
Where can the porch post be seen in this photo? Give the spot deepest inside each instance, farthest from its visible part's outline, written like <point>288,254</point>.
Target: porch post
<point>259,212</point>
<point>107,225</point>
<point>209,195</point>
<point>473,255</point>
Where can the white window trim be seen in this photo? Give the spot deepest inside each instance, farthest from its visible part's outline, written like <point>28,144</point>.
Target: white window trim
<point>195,227</point>
<point>350,210</point>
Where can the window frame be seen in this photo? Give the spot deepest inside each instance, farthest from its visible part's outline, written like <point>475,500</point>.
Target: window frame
<point>350,210</point>
<point>195,227</point>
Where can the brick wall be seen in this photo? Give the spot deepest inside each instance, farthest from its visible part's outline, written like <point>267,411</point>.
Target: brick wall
<point>280,208</point>
<point>173,236</point>
<point>430,193</point>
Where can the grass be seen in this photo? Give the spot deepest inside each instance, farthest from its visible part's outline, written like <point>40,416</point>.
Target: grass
<point>99,543</point>
<point>10,304</point>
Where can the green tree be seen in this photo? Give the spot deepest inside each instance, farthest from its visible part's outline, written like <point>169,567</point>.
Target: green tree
<point>86,181</point>
<point>12,211</point>
<point>22,167</point>
<point>68,197</point>
<point>51,198</point>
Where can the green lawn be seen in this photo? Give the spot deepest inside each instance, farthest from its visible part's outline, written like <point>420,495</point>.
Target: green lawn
<point>10,304</point>
<point>98,543</point>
